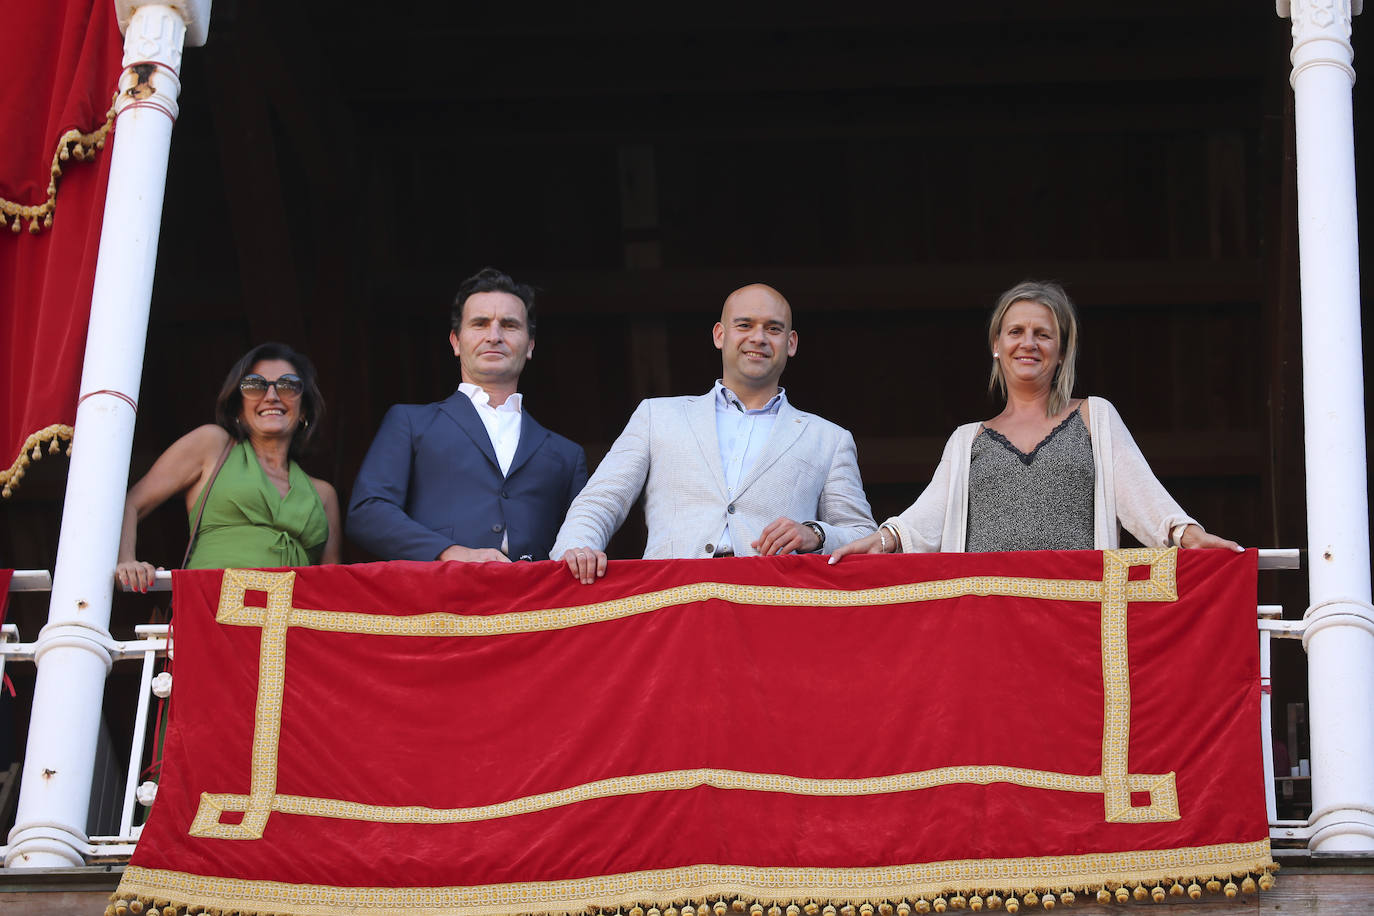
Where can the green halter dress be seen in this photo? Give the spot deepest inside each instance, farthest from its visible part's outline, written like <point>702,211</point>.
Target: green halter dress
<point>247,523</point>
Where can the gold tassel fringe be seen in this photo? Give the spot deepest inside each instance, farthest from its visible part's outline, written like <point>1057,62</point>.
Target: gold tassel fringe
<point>72,144</point>
<point>32,451</point>
<point>1010,899</point>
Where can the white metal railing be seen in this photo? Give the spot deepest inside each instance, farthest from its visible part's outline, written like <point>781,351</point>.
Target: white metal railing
<point>1271,626</point>
<point>9,635</point>
<point>150,644</point>
<point>31,580</point>
<point>162,581</point>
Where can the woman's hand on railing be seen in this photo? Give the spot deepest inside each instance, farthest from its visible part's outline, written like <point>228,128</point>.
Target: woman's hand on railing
<point>135,575</point>
<point>1194,538</point>
<point>585,563</point>
<point>880,541</point>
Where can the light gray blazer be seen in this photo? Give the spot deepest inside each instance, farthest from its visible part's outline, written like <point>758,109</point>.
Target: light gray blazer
<point>808,471</point>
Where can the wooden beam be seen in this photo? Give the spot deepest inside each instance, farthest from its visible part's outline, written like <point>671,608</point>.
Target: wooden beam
<point>1098,283</point>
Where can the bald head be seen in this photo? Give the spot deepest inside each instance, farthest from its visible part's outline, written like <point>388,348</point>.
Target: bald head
<point>755,338</point>
<point>756,293</point>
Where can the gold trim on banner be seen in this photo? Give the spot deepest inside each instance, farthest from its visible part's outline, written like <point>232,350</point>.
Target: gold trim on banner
<point>678,780</point>
<point>1116,783</point>
<point>232,610</point>
<point>73,143</point>
<point>1147,872</point>
<point>32,450</point>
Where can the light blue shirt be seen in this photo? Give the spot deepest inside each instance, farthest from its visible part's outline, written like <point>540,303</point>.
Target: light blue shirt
<point>741,434</point>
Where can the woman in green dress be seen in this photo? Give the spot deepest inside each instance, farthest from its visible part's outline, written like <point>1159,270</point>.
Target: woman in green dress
<point>261,509</point>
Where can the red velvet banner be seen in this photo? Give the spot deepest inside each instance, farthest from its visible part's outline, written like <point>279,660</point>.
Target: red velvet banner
<point>62,58</point>
<point>486,739</point>
<point>5,576</point>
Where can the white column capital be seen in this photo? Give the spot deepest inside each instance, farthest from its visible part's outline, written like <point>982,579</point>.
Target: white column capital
<point>1321,34</point>
<point>194,16</point>
<point>151,78</point>
<point>1284,7</point>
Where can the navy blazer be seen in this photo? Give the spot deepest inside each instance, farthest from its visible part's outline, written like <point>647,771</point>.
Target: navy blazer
<point>431,480</point>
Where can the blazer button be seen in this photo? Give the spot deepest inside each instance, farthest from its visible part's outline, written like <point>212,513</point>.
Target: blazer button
<point>496,529</point>
<point>505,494</point>
<point>730,508</point>
<point>711,548</point>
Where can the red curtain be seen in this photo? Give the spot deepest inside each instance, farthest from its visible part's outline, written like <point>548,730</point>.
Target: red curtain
<point>485,739</point>
<point>62,59</point>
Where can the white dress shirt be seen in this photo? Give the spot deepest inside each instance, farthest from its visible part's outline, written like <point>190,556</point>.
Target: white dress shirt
<point>502,423</point>
<point>741,434</point>
<point>503,428</point>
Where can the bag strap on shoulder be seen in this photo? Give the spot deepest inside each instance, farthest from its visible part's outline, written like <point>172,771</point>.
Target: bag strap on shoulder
<point>205,498</point>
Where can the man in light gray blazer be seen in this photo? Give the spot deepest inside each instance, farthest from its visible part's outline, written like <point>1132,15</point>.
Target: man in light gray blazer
<point>736,471</point>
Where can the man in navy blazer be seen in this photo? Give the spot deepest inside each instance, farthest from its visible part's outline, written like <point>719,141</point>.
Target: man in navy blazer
<point>473,477</point>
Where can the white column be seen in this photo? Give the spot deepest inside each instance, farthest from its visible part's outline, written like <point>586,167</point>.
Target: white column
<point>74,648</point>
<point>1340,631</point>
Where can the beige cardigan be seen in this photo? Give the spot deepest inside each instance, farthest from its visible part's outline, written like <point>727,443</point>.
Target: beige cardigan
<point>1125,492</point>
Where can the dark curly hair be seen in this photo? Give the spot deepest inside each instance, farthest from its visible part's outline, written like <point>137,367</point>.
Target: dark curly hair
<point>229,404</point>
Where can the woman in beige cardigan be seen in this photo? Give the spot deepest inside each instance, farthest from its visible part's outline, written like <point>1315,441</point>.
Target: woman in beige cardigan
<point>1050,472</point>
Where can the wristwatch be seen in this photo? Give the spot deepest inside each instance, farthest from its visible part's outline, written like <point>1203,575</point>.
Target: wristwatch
<point>820,536</point>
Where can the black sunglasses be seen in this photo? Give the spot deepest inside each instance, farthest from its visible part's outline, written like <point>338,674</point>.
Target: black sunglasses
<point>254,386</point>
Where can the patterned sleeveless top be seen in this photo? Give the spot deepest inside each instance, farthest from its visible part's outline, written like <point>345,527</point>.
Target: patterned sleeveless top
<point>1040,501</point>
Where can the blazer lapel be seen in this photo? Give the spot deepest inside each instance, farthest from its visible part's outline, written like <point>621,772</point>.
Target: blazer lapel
<point>532,435</point>
<point>787,429</point>
<point>459,408</point>
<point>701,417</point>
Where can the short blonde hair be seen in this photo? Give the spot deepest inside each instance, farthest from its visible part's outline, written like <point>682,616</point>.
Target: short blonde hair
<point>1052,296</point>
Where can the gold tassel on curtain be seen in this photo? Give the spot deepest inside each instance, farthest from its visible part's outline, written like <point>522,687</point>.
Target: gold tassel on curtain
<point>32,451</point>
<point>71,144</point>
<point>82,146</point>
<point>1007,899</point>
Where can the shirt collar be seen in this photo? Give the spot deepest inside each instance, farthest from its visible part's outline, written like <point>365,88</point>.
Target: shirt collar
<point>724,397</point>
<point>480,398</point>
